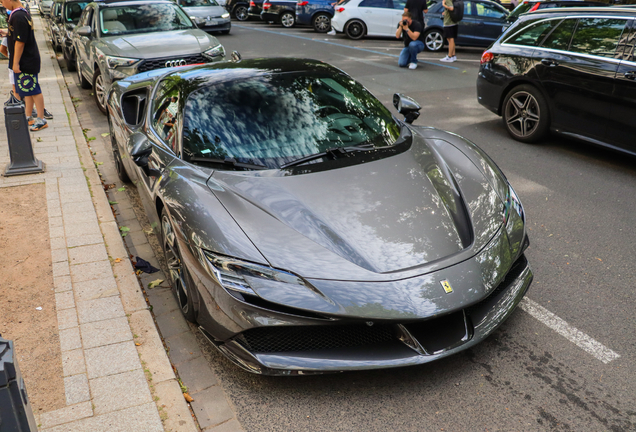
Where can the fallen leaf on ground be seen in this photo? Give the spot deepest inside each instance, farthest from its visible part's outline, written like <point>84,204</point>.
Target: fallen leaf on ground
<point>188,398</point>
<point>121,189</point>
<point>117,260</point>
<point>105,134</point>
<point>155,283</point>
<point>112,202</point>
<point>137,344</point>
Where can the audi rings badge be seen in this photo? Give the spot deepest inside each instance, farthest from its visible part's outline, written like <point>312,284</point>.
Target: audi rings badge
<point>174,63</point>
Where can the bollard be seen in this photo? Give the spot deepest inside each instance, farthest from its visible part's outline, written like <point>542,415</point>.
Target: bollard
<point>20,148</point>
<point>16,414</point>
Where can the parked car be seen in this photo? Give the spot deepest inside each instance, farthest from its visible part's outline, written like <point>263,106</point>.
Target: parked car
<point>480,27</point>
<point>289,245</point>
<point>55,29</point>
<point>119,39</point>
<point>571,71</point>
<point>238,9</point>
<point>45,7</point>
<point>255,9</point>
<point>279,11</point>
<point>208,15</point>
<point>359,18</point>
<point>71,12</point>
<point>316,13</point>
<point>537,5</point>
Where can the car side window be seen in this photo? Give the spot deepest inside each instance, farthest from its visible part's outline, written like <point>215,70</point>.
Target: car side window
<point>385,4</point>
<point>468,8</point>
<point>399,4</point>
<point>597,36</point>
<point>534,34</point>
<point>625,50</point>
<point>488,10</point>
<point>165,107</point>
<point>87,18</point>
<point>560,38</point>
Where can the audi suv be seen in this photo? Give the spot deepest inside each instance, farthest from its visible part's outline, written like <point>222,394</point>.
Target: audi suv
<point>114,40</point>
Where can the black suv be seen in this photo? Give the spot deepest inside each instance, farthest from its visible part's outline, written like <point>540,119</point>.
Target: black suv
<point>537,5</point>
<point>572,71</point>
<point>238,9</point>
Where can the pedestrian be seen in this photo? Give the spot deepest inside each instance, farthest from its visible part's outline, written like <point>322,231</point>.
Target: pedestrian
<point>450,31</point>
<point>410,31</point>
<point>24,61</point>
<point>332,32</point>
<point>417,9</point>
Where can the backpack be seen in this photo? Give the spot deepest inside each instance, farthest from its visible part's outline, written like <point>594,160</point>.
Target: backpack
<point>457,14</point>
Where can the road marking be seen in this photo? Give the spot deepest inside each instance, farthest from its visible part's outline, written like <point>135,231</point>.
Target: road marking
<point>337,44</point>
<point>572,334</point>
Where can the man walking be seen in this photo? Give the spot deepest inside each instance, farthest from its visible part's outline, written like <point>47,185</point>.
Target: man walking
<point>450,31</point>
<point>410,32</point>
<point>24,60</point>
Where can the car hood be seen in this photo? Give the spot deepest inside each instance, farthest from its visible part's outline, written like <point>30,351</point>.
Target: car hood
<point>205,11</point>
<point>158,44</point>
<point>391,218</point>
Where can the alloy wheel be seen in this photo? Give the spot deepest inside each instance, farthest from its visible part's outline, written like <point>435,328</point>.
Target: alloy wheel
<point>241,13</point>
<point>287,20</point>
<point>522,114</point>
<point>79,70</point>
<point>322,23</point>
<point>355,30</point>
<point>100,92</point>
<point>434,41</point>
<point>175,265</point>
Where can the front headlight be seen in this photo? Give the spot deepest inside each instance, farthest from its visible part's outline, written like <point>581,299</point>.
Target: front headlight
<point>225,15</point>
<point>235,275</point>
<point>114,62</point>
<point>217,51</point>
<point>515,222</point>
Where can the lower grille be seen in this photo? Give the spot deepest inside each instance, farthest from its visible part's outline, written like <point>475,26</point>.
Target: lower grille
<point>151,64</point>
<point>312,338</point>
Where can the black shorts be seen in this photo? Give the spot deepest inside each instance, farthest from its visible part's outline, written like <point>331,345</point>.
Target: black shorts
<point>450,32</point>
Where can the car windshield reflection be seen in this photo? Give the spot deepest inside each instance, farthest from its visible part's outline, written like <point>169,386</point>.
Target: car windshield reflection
<point>142,19</point>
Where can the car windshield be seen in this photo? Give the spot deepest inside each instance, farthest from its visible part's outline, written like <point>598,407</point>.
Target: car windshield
<point>142,18</point>
<point>194,3</point>
<point>73,11</point>
<point>276,119</point>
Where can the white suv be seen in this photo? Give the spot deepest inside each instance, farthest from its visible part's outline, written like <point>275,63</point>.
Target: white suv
<point>358,18</point>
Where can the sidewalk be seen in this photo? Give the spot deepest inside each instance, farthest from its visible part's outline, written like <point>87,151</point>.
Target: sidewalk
<point>117,376</point>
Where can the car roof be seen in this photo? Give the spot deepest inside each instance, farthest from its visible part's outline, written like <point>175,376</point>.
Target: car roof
<point>566,1</point>
<point>580,10</point>
<point>109,3</point>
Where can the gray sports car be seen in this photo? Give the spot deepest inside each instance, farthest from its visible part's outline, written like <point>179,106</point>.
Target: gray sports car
<point>306,229</point>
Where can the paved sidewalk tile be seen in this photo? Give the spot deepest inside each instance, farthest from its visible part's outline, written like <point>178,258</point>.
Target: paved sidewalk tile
<point>86,254</point>
<point>183,347</point>
<point>73,362</point>
<point>90,271</point>
<point>143,418</point>
<point>172,323</point>
<point>70,339</point>
<point>76,389</point>
<point>106,332</point>
<point>211,407</point>
<point>230,426</point>
<point>111,359</point>
<point>196,375</point>
<point>65,415</point>
<point>64,300</point>
<point>116,392</point>
<point>96,288</point>
<point>67,318</point>
<point>100,309</point>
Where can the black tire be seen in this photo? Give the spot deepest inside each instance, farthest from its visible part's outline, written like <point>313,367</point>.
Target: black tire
<point>119,164</point>
<point>321,23</point>
<point>434,40</point>
<point>355,29</point>
<point>240,13</point>
<point>70,63</point>
<point>99,90</point>
<point>526,114</point>
<point>83,82</point>
<point>287,19</point>
<point>177,271</point>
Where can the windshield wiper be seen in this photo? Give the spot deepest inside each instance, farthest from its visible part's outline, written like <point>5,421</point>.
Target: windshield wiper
<point>334,152</point>
<point>228,161</point>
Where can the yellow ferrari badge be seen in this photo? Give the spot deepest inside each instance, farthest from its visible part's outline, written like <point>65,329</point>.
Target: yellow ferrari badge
<point>447,286</point>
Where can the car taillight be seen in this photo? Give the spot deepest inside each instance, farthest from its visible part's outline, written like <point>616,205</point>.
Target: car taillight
<point>535,7</point>
<point>252,4</point>
<point>340,9</point>
<point>303,3</point>
<point>266,6</point>
<point>486,57</point>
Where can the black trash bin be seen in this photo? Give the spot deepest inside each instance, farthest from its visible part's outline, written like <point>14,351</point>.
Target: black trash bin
<point>16,414</point>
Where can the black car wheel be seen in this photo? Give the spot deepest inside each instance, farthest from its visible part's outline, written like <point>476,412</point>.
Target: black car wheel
<point>176,268</point>
<point>99,90</point>
<point>119,164</point>
<point>82,81</point>
<point>322,23</point>
<point>355,29</point>
<point>433,40</point>
<point>526,114</point>
<point>240,13</point>
<point>70,63</point>
<point>287,19</point>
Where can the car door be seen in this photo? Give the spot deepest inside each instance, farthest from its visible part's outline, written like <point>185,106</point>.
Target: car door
<point>468,26</point>
<point>621,129</point>
<point>579,80</point>
<point>82,42</point>
<point>490,18</point>
<point>378,16</point>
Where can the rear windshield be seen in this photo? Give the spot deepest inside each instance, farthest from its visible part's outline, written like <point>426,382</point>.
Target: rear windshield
<point>195,3</point>
<point>520,9</point>
<point>143,18</point>
<point>74,11</point>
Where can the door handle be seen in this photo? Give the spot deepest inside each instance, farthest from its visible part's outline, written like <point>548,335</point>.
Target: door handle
<point>549,62</point>
<point>630,75</point>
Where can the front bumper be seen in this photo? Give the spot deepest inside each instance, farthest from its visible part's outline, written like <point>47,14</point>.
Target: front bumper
<point>221,26</point>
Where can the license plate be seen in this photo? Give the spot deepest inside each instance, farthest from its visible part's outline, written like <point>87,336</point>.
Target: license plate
<point>211,22</point>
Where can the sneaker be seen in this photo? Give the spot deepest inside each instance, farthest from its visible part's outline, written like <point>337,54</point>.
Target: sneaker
<point>39,125</point>
<point>331,32</point>
<point>447,59</point>
<point>453,59</point>
<point>31,119</point>
<point>47,114</point>
<point>412,65</point>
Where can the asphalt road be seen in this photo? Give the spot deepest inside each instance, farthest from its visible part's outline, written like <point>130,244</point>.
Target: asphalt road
<point>580,206</point>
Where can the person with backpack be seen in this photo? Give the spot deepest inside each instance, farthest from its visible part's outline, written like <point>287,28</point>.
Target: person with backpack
<point>453,13</point>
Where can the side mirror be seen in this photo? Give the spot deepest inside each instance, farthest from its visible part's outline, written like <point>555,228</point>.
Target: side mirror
<point>84,31</point>
<point>70,26</point>
<point>140,153</point>
<point>406,106</point>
